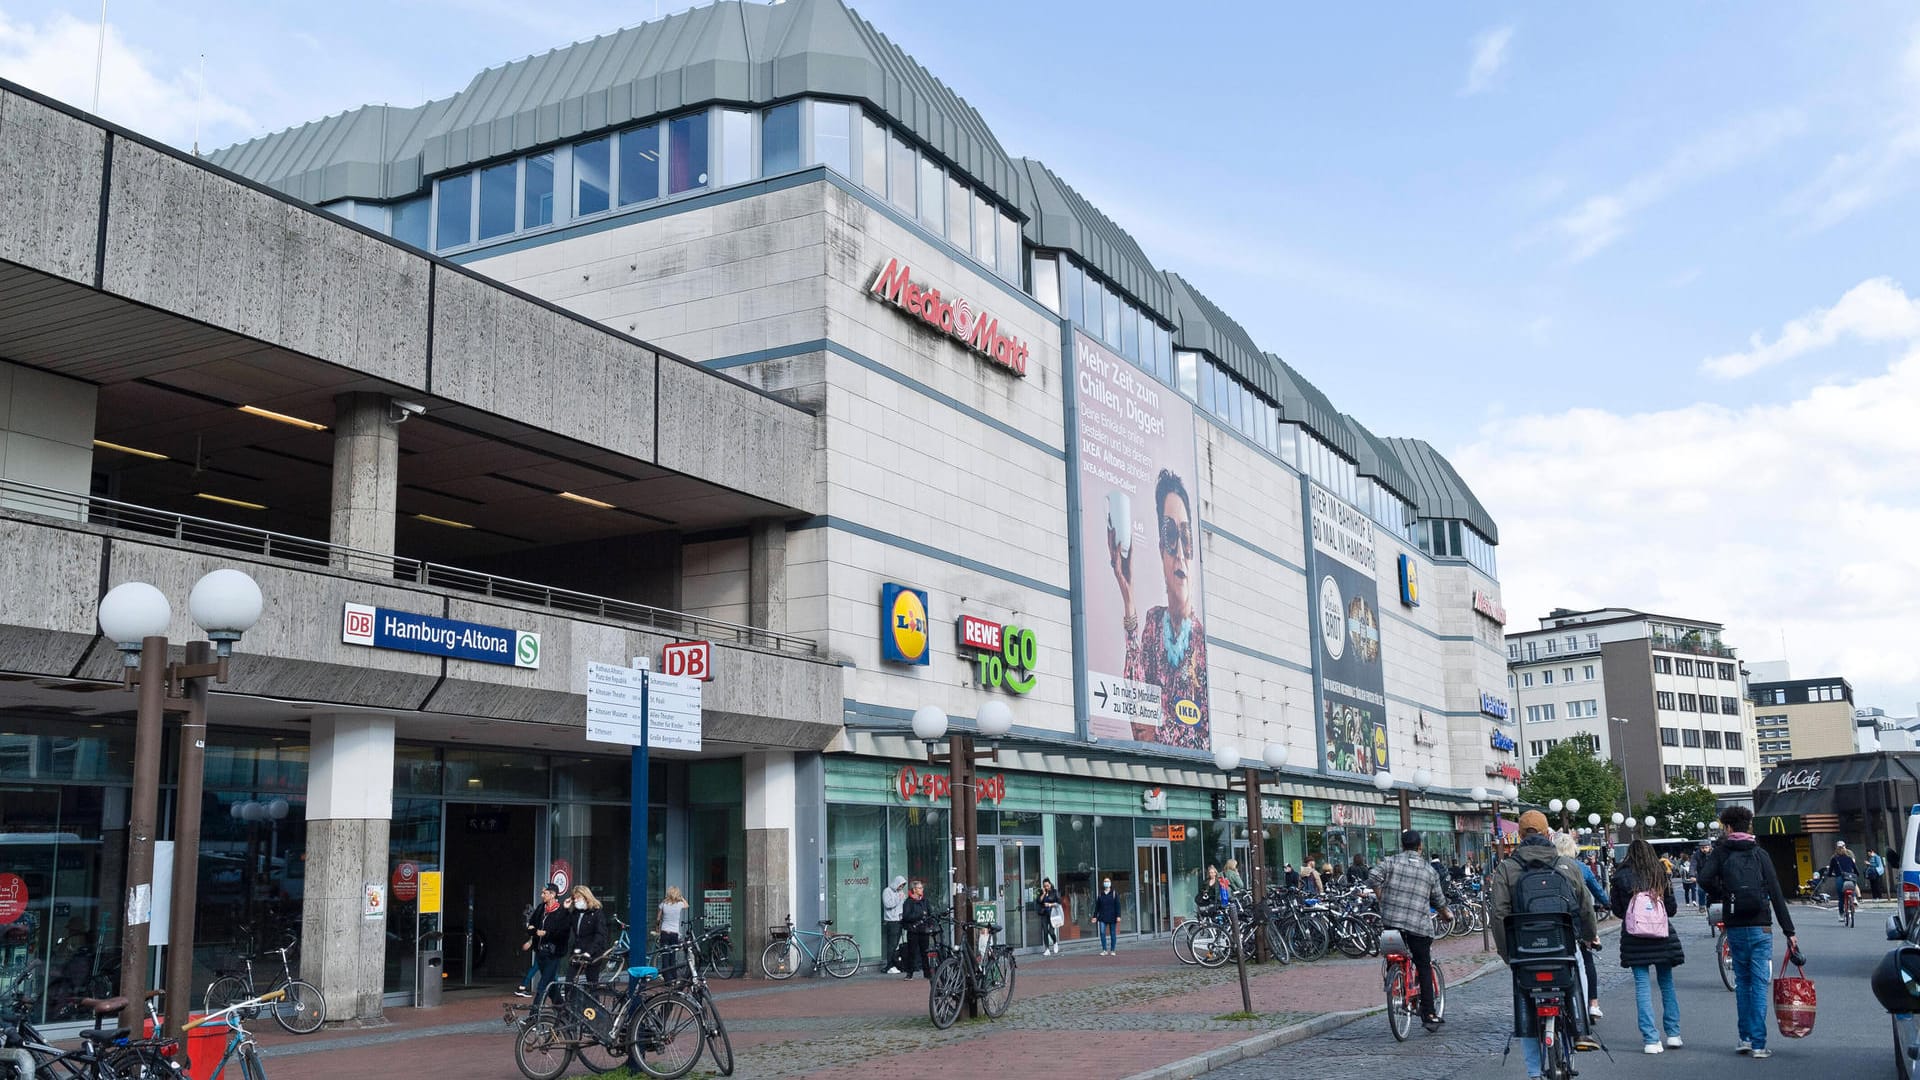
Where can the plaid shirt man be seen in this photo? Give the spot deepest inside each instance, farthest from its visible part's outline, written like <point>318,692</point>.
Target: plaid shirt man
<point>1409,893</point>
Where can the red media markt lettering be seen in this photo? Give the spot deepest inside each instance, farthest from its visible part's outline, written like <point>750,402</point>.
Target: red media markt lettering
<point>953,316</point>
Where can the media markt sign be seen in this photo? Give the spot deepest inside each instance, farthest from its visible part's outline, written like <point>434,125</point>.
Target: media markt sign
<point>406,631</point>
<point>950,315</point>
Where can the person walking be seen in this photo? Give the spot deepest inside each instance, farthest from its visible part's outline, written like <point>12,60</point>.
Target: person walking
<point>1409,892</point>
<point>549,928</point>
<point>893,899</point>
<point>1650,947</point>
<point>914,917</point>
<point>1740,877</point>
<point>1106,912</point>
<point>1569,848</point>
<point>1533,854</point>
<point>671,919</point>
<point>1877,875</point>
<point>1050,916</point>
<point>587,933</point>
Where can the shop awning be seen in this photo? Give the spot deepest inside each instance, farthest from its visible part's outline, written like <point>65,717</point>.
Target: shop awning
<point>1836,784</point>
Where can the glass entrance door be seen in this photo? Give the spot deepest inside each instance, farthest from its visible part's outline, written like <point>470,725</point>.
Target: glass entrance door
<point>1152,863</point>
<point>1019,885</point>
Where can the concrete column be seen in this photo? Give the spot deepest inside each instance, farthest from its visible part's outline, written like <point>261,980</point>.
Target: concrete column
<point>769,786</point>
<point>767,576</point>
<point>366,475</point>
<point>349,813</point>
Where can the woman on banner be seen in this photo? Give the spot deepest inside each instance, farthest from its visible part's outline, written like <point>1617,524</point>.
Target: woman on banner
<point>1169,649</point>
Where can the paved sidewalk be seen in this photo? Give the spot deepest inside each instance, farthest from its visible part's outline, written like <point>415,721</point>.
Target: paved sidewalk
<point>1108,1016</point>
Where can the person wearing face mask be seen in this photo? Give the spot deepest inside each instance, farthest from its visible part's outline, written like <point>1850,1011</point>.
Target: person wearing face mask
<point>587,934</point>
<point>1106,912</point>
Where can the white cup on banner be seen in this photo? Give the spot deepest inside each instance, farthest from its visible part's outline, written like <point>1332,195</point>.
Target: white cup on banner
<point>1120,520</point>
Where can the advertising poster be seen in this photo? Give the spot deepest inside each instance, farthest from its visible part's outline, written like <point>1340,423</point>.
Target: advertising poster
<point>1353,699</point>
<point>1139,549</point>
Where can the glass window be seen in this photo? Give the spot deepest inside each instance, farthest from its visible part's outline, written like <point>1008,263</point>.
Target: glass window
<point>1110,318</point>
<point>498,193</point>
<point>1187,371</point>
<point>639,164</point>
<point>960,207</point>
<point>372,215</point>
<point>832,136</point>
<point>983,219</point>
<point>412,219</point>
<point>1046,282</point>
<point>453,223</point>
<point>902,169</point>
<point>873,155</point>
<point>592,173</point>
<point>686,153</point>
<point>1090,299</point>
<point>1010,253</point>
<point>736,144</point>
<point>933,183</point>
<point>1130,334</point>
<point>779,140</point>
<point>536,202</point>
<point>857,870</point>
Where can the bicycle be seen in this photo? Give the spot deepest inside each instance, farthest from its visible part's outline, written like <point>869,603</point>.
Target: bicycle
<point>980,972</point>
<point>713,1030</point>
<point>240,1042</point>
<point>1722,951</point>
<point>1402,979</point>
<point>715,947</point>
<point>102,1055</point>
<point>645,1028</point>
<point>838,955</point>
<point>1545,963</point>
<point>302,1009</point>
<point>1849,899</point>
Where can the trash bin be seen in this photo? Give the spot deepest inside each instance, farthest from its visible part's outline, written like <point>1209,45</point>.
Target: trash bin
<point>205,1045</point>
<point>429,973</point>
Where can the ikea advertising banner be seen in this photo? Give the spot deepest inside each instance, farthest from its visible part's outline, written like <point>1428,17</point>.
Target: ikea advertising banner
<point>1139,549</point>
<point>1346,606</point>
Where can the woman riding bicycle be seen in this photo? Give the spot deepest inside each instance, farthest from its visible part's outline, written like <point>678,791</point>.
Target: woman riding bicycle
<point>1846,875</point>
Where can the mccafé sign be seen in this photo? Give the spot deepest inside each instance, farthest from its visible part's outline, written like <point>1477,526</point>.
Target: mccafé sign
<point>951,315</point>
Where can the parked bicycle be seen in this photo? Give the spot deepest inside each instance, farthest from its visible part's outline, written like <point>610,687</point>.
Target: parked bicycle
<point>103,1054</point>
<point>981,972</point>
<point>837,954</point>
<point>649,1026</point>
<point>240,1044</point>
<point>693,983</point>
<point>1402,981</point>
<point>301,1009</point>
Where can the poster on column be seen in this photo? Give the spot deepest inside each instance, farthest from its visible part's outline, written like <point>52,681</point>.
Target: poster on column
<point>1353,700</point>
<point>1139,552</point>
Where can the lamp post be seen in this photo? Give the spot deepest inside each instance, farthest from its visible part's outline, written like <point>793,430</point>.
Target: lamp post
<point>226,603</point>
<point>930,725</point>
<point>1625,781</point>
<point>1226,758</point>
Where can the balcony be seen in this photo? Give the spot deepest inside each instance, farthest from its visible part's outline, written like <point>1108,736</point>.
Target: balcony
<point>1692,643</point>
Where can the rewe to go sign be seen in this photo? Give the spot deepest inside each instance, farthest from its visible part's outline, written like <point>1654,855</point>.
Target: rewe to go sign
<point>1004,656</point>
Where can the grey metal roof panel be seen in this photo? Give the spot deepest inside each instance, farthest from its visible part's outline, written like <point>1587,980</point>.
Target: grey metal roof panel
<point>1377,460</point>
<point>1200,324</point>
<point>1060,217</point>
<point>1303,403</point>
<point>729,51</point>
<point>1443,494</point>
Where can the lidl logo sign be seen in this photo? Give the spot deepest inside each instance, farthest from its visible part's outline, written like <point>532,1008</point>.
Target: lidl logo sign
<point>903,626</point>
<point>1186,712</point>
<point>1409,581</point>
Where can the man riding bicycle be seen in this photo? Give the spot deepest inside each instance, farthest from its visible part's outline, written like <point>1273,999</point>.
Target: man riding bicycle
<point>1514,888</point>
<point>1846,874</point>
<point>1409,894</point>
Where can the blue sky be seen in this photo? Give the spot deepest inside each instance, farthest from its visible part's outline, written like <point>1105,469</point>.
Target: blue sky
<point>1643,270</point>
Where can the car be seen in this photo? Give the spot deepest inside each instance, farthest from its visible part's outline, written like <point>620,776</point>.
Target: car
<point>1910,870</point>
<point>1896,985</point>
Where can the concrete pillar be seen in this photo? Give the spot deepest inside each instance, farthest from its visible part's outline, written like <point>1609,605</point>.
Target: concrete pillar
<point>366,477</point>
<point>767,576</point>
<point>769,785</point>
<point>349,813</point>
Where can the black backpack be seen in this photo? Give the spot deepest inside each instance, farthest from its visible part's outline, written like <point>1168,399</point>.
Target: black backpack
<point>1543,889</point>
<point>1743,882</point>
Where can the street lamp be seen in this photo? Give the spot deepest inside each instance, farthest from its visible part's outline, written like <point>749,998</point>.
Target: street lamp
<point>226,604</point>
<point>993,720</point>
<point>1625,781</point>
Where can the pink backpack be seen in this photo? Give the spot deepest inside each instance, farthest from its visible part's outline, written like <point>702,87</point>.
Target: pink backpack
<point>1646,916</point>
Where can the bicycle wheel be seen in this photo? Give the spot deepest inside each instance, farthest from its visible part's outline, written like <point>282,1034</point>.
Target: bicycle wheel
<point>250,1066</point>
<point>304,1009</point>
<point>1399,1007</point>
<point>542,1051</point>
<point>840,956</point>
<point>1348,936</point>
<point>1725,953</point>
<point>719,1045</point>
<point>667,1038</point>
<point>136,1062</point>
<point>720,959</point>
<point>1439,991</point>
<point>996,983</point>
<point>1183,942</point>
<point>224,991</point>
<point>1212,946</point>
<point>946,993</point>
<point>1308,939</point>
<point>780,959</point>
<point>1277,943</point>
<point>600,1056</point>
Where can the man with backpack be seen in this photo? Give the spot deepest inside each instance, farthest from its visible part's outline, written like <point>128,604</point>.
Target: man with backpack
<point>1740,877</point>
<point>1537,879</point>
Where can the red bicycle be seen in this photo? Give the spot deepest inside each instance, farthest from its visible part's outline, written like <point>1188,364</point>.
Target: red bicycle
<point>1402,981</point>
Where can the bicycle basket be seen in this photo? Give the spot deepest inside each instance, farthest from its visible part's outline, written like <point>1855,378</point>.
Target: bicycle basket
<point>1393,945</point>
<point>779,933</point>
<point>1531,936</point>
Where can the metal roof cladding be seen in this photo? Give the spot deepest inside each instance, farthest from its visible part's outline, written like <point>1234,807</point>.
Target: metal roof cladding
<point>728,52</point>
<point>1443,494</point>
<point>1058,217</point>
<point>1304,404</point>
<point>1200,324</point>
<point>1377,461</point>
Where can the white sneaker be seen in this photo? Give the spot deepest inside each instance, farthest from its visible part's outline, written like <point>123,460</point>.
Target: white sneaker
<point>1594,1011</point>
<point>1743,1047</point>
<point>1655,1048</point>
<point>893,971</point>
<point>1763,1052</point>
<point>1674,1043</point>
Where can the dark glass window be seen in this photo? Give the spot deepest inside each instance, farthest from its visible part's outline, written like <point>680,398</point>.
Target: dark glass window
<point>780,140</point>
<point>411,220</point>
<point>499,192</point>
<point>833,136</point>
<point>454,222</point>
<point>592,172</point>
<point>536,207</point>
<point>640,164</point>
<point>686,153</point>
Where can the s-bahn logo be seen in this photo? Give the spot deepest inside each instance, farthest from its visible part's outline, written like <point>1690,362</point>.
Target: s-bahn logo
<point>953,316</point>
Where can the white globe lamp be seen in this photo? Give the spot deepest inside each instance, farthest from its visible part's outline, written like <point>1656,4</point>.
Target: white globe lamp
<point>1423,778</point>
<point>929,723</point>
<point>1226,756</point>
<point>1478,794</point>
<point>1513,792</point>
<point>1618,817</point>
<point>1554,805</point>
<point>1275,755</point>
<point>994,719</point>
<point>226,604</point>
<point>134,610</point>
<point>1382,781</point>
<point>1593,820</point>
<point>1573,806</point>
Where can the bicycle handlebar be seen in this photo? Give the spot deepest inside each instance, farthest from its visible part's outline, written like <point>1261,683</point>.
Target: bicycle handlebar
<point>254,1003</point>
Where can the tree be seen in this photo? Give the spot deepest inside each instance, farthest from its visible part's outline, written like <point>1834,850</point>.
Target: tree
<point>1571,770</point>
<point>1685,802</point>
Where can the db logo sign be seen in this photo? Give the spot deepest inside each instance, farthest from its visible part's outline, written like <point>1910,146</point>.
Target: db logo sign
<point>693,659</point>
<point>357,628</point>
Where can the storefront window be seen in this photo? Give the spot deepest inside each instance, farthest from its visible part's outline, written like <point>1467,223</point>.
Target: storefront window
<point>716,850</point>
<point>413,837</point>
<point>1073,872</point>
<point>918,841</point>
<point>67,845</point>
<point>1113,837</point>
<point>857,869</point>
<point>481,774</point>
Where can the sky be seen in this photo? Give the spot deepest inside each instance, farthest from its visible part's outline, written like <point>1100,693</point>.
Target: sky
<point>1644,272</point>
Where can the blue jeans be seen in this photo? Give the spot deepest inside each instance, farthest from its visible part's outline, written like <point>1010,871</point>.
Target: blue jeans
<point>1752,951</point>
<point>1110,936</point>
<point>1643,980</point>
<point>1530,1053</point>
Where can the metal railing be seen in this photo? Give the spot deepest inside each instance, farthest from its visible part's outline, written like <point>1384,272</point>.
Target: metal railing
<point>21,497</point>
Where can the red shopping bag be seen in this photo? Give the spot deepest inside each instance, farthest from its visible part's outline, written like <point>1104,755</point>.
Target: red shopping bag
<point>1793,1002</point>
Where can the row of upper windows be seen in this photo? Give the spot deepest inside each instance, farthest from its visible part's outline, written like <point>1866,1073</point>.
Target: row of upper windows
<point>1702,703</point>
<point>1539,747</point>
<point>1711,775</point>
<point>1550,646</point>
<point>1446,538</point>
<point>1700,739</point>
<point>1703,669</point>
<point>1587,671</point>
<point>695,152</point>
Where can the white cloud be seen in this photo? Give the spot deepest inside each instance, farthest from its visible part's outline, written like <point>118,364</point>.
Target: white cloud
<point>1794,516</point>
<point>1882,166</point>
<point>56,58</point>
<point>1598,220</point>
<point>1876,310</point>
<point>1489,57</point>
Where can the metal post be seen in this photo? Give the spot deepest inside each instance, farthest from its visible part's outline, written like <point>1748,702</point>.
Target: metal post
<point>637,846</point>
<point>186,844</point>
<point>1486,872</point>
<point>1256,850</point>
<point>966,827</point>
<point>1240,954</point>
<point>141,829</point>
<point>1406,810</point>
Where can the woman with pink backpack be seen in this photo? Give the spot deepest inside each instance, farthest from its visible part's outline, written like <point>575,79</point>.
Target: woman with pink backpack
<point>1642,896</point>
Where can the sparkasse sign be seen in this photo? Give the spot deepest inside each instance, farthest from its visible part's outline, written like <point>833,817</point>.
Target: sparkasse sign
<point>953,316</point>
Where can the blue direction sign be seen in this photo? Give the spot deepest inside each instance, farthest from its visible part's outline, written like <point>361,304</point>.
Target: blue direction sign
<point>407,631</point>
